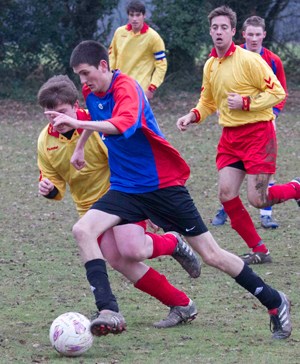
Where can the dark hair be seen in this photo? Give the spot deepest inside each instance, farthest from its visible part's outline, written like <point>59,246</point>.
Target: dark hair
<point>226,11</point>
<point>255,21</point>
<point>57,90</point>
<point>136,6</point>
<point>89,51</point>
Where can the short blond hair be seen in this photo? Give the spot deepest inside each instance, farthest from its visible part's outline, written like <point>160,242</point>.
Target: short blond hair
<point>255,21</point>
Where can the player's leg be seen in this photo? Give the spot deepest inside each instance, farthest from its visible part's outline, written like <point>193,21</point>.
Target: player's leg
<point>261,196</point>
<point>276,302</point>
<point>230,180</point>
<point>86,232</point>
<point>149,281</point>
<point>136,245</point>
<point>266,214</point>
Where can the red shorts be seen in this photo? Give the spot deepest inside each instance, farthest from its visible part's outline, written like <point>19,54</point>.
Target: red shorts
<point>254,144</point>
<point>143,224</point>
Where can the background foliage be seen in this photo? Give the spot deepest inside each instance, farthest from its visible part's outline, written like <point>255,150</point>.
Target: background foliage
<point>37,37</point>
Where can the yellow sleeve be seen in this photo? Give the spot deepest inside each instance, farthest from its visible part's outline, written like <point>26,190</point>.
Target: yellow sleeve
<point>159,52</point>
<point>206,105</point>
<point>47,171</point>
<point>262,77</point>
<point>112,53</point>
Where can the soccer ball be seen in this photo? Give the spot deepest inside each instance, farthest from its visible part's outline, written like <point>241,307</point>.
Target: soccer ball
<point>70,334</point>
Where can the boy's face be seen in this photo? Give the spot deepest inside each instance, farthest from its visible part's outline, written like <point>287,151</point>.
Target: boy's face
<point>94,78</point>
<point>221,32</point>
<point>254,37</point>
<point>136,20</point>
<point>66,109</point>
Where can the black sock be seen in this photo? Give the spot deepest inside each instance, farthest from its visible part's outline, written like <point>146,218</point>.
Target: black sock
<point>98,279</point>
<point>268,296</point>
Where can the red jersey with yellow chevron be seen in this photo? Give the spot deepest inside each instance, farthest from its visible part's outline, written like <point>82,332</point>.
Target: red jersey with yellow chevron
<point>246,74</point>
<point>54,155</point>
<point>138,55</point>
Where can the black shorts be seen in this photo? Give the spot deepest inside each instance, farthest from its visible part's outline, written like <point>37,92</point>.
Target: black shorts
<point>171,208</point>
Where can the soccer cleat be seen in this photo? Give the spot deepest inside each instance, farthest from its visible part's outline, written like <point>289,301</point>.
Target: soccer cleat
<point>108,322</point>
<point>268,223</point>
<point>186,257</point>
<point>281,320</point>
<point>297,180</point>
<point>178,315</point>
<point>220,218</point>
<point>256,258</point>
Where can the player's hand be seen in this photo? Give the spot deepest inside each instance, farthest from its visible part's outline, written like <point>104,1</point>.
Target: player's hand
<point>149,94</point>
<point>235,101</point>
<point>45,187</point>
<point>154,227</point>
<point>77,159</point>
<point>60,120</point>
<point>185,121</point>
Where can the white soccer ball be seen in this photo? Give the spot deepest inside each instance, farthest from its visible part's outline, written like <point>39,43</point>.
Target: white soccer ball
<point>70,334</point>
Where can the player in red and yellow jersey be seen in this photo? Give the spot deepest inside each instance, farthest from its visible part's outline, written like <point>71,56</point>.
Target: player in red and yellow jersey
<point>139,51</point>
<point>55,150</point>
<point>254,34</point>
<point>244,89</point>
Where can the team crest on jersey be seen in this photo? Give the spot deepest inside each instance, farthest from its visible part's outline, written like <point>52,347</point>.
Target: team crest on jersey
<point>100,106</point>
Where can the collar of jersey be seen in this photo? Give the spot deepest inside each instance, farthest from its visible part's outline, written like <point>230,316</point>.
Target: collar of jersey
<point>229,53</point>
<point>102,94</point>
<point>56,133</point>
<point>261,52</point>
<point>142,31</point>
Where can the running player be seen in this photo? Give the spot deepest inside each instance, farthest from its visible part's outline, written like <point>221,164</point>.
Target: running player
<point>119,247</point>
<point>244,89</point>
<point>254,34</point>
<point>147,181</point>
<point>139,51</point>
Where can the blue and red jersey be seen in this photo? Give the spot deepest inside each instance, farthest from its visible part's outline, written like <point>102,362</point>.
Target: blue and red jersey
<point>275,63</point>
<point>140,159</point>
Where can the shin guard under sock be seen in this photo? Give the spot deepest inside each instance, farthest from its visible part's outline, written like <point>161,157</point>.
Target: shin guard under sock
<point>281,193</point>
<point>162,244</point>
<point>241,221</point>
<point>268,296</point>
<point>157,286</point>
<point>98,279</point>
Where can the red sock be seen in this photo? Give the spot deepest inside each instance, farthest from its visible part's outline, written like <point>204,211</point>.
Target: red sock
<point>281,193</point>
<point>158,287</point>
<point>241,222</point>
<point>162,244</point>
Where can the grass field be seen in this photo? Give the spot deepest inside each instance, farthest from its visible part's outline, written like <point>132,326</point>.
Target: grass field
<point>42,275</point>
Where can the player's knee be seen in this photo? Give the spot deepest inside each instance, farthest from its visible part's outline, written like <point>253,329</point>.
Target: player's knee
<point>132,253</point>
<point>257,201</point>
<point>225,194</point>
<point>116,262</point>
<point>79,231</point>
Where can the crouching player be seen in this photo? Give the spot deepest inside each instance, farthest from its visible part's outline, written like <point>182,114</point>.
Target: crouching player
<point>125,246</point>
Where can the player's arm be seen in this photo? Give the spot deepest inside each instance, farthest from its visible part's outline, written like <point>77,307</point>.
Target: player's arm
<point>160,64</point>
<point>205,107</point>
<point>51,185</point>
<point>281,78</point>
<point>261,76</point>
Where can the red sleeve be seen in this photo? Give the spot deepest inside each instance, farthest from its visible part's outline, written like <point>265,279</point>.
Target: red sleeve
<point>281,78</point>
<point>129,102</point>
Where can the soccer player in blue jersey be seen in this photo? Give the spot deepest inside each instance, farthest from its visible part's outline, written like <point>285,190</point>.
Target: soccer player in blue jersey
<point>147,181</point>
